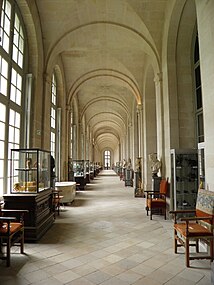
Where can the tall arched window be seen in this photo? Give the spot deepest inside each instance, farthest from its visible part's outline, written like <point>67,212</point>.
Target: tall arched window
<point>198,94</point>
<point>12,53</point>
<point>107,159</point>
<point>199,115</point>
<point>53,115</point>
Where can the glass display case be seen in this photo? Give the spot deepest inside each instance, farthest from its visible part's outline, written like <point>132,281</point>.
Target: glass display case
<point>201,165</point>
<point>87,170</point>
<point>184,178</point>
<point>79,168</point>
<point>30,171</point>
<point>128,177</point>
<point>91,170</point>
<point>79,173</point>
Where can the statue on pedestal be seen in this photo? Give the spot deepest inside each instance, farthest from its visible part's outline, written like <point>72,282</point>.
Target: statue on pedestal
<point>124,163</point>
<point>155,164</point>
<point>129,164</point>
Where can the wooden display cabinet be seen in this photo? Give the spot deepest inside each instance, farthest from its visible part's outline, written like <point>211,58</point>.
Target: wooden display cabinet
<point>79,173</point>
<point>184,178</point>
<point>30,190</point>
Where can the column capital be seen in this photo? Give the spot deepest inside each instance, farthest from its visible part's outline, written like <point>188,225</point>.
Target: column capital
<point>158,78</point>
<point>139,108</point>
<point>47,77</point>
<point>68,108</point>
<point>129,124</point>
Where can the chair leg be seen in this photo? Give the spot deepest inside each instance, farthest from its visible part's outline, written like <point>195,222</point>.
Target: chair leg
<point>22,242</point>
<point>197,246</point>
<point>147,210</point>
<point>187,252</point>
<point>211,249</point>
<point>8,252</point>
<point>175,242</point>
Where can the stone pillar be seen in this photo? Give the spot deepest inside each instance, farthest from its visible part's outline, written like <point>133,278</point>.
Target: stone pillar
<point>74,140</point>
<point>159,114</point>
<point>139,130</point>
<point>128,139</point>
<point>120,151</point>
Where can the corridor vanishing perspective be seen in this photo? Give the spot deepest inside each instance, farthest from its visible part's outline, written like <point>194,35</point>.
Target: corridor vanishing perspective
<point>104,237</point>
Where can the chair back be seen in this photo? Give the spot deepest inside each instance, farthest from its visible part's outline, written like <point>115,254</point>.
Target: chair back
<point>205,203</point>
<point>163,186</point>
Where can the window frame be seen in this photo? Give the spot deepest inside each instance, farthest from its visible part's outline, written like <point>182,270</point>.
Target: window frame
<point>14,125</point>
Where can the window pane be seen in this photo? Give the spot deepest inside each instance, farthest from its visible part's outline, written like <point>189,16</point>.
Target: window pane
<point>2,150</point>
<point>17,22</point>
<point>20,60</point>
<point>4,68</point>
<point>17,134</point>
<point>1,168</point>
<point>53,113</point>
<point>196,52</point>
<point>11,134</point>
<point>18,97</point>
<point>15,54</point>
<point>21,44</point>
<point>2,131</point>
<point>5,40</point>
<point>19,81</point>
<point>12,117</point>
<point>16,85</point>
<point>17,120</point>
<point>3,86</point>
<point>200,128</point>
<point>1,186</point>
<point>13,93</point>
<point>13,77</point>
<point>8,9</point>
<point>2,112</point>
<point>7,25</point>
<point>197,77</point>
<point>199,98</point>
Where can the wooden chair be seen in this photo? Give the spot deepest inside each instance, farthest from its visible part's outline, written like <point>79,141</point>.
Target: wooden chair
<point>11,232</point>
<point>56,201</point>
<point>156,200</point>
<point>188,231</point>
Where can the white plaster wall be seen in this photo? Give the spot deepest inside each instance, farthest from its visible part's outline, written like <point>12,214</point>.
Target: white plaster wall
<point>205,18</point>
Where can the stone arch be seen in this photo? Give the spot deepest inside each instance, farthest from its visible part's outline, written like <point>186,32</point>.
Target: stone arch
<point>181,18</point>
<point>118,76</point>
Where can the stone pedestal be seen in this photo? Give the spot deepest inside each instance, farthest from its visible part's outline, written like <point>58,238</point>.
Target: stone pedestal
<point>156,183</point>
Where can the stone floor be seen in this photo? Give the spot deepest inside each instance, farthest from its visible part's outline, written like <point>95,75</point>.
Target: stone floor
<point>104,237</point>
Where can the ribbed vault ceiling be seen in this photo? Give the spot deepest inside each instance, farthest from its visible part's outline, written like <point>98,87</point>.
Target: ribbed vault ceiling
<point>105,47</point>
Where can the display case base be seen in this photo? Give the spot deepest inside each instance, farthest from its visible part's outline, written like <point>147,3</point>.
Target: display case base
<point>40,216</point>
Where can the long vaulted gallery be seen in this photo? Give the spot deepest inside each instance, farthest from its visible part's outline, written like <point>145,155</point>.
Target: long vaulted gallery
<point>106,133</point>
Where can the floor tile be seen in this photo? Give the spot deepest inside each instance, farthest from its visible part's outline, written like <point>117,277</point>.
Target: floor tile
<point>104,237</point>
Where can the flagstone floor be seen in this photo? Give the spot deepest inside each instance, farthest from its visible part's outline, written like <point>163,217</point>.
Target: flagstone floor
<point>104,237</point>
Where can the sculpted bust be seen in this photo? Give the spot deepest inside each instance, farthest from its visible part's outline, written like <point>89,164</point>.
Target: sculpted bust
<point>155,164</point>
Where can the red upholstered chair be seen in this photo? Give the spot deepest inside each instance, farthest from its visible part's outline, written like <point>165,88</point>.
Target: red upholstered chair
<point>11,232</point>
<point>188,231</point>
<point>156,200</point>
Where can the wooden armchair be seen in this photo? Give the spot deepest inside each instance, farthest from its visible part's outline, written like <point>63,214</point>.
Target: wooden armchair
<point>56,201</point>
<point>156,200</point>
<point>11,232</point>
<point>188,231</point>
